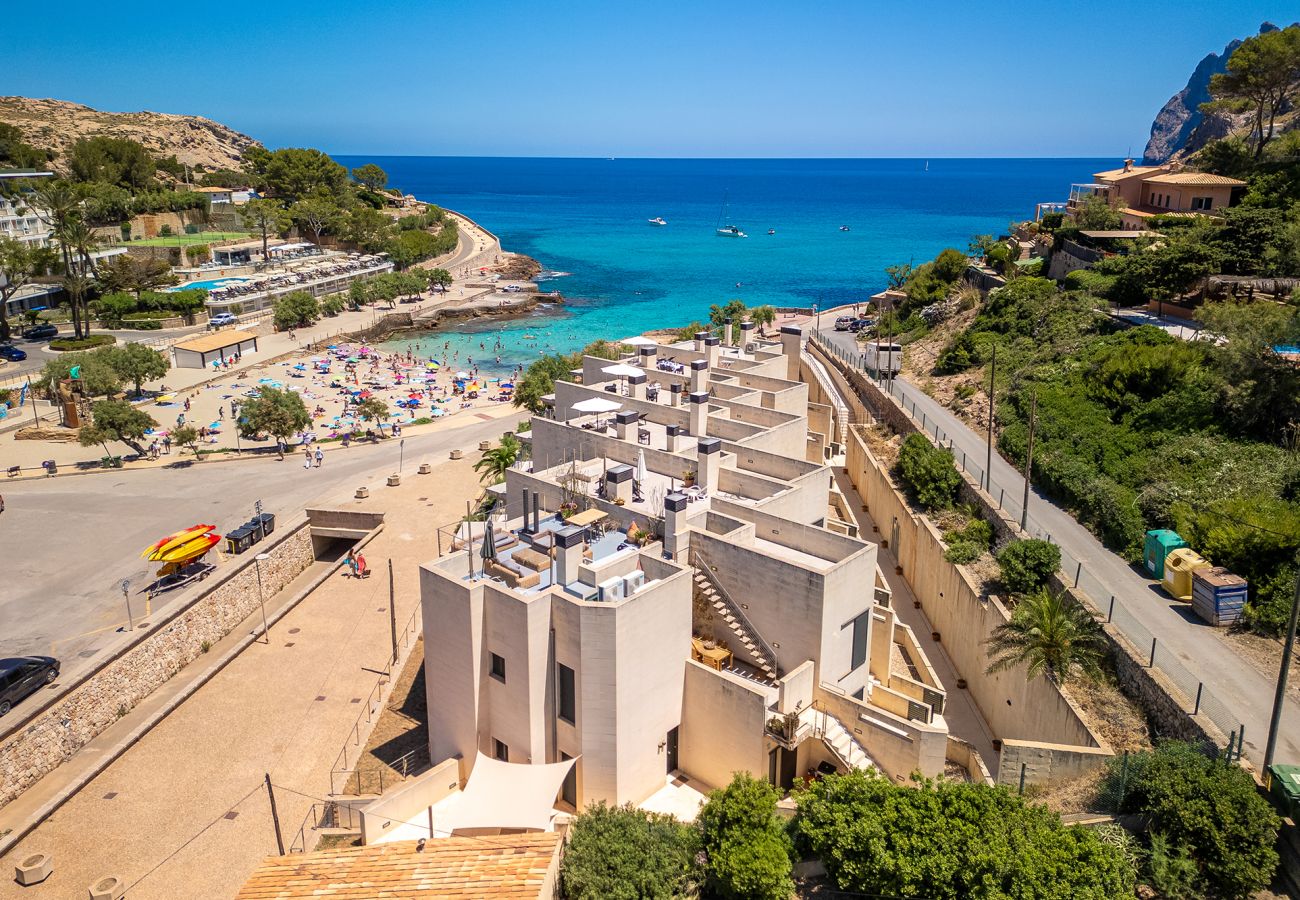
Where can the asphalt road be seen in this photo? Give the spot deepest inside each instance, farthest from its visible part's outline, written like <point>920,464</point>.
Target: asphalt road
<point>1236,694</point>
<point>69,541</point>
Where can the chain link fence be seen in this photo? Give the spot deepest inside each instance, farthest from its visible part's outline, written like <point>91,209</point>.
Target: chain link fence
<point>1100,596</point>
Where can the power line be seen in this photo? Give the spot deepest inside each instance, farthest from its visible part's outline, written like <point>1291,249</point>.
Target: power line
<point>196,836</point>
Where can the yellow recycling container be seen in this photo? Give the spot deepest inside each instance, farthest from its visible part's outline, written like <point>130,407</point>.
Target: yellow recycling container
<point>1179,566</point>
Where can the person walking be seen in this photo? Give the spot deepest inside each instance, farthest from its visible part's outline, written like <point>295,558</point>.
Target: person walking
<point>167,445</point>
<point>306,457</point>
<point>352,563</point>
<point>320,456</point>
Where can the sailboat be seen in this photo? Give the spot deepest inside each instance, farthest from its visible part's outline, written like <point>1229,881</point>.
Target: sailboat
<point>927,165</point>
<point>725,228</point>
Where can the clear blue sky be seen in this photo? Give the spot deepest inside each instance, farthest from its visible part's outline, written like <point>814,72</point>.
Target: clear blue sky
<point>629,78</point>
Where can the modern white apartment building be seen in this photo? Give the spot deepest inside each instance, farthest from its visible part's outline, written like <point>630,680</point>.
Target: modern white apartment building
<point>18,220</point>
<point>669,598</point>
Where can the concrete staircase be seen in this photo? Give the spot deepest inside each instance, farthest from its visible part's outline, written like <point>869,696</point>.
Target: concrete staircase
<point>836,736</point>
<point>843,415</point>
<point>711,593</point>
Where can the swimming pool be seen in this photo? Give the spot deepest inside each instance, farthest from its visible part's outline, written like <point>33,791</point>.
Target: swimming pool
<point>209,284</point>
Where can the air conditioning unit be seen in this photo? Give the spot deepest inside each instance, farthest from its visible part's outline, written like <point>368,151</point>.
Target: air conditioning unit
<point>611,590</point>
<point>633,583</point>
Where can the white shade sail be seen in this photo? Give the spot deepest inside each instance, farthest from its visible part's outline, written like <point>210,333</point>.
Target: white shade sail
<point>596,405</point>
<point>505,795</point>
<point>640,341</point>
<point>622,370</point>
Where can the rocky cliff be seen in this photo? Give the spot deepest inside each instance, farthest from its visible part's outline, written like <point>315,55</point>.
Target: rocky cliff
<point>1180,128</point>
<point>57,124</point>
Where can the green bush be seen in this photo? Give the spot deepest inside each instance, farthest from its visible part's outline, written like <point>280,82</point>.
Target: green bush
<point>165,231</point>
<point>86,343</point>
<point>952,840</point>
<point>928,472</point>
<point>746,847</point>
<point>969,543</point>
<point>1028,565</point>
<point>1205,808</point>
<point>151,324</point>
<point>625,853</point>
<point>332,306</point>
<point>958,356</point>
<point>295,309</point>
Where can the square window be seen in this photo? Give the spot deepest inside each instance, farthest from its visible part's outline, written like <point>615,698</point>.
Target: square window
<point>498,667</point>
<point>500,750</point>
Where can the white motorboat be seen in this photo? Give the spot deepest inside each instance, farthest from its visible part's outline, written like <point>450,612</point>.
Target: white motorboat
<point>658,220</point>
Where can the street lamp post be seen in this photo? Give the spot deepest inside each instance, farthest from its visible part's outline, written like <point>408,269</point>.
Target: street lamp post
<point>257,562</point>
<point>261,523</point>
<point>126,595</point>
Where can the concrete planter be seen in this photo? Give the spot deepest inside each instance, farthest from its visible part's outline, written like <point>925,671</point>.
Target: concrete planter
<point>485,445</point>
<point>457,454</point>
<point>363,493</point>
<point>110,887</point>
<point>425,468</point>
<point>394,480</point>
<point>33,869</point>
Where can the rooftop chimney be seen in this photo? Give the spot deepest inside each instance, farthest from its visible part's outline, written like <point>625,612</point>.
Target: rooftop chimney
<point>568,554</point>
<point>636,386</point>
<point>711,349</point>
<point>791,339</point>
<point>676,537</point>
<point>675,388</point>
<point>699,375</point>
<point>618,483</point>
<point>700,337</point>
<point>623,422</point>
<point>708,460</point>
<point>699,415</point>
<point>746,333</point>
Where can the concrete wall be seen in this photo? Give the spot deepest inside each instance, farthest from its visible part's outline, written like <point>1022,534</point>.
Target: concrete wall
<point>899,747</point>
<point>723,718</point>
<point>1045,763</point>
<point>54,735</point>
<point>1014,707</point>
<point>416,795</point>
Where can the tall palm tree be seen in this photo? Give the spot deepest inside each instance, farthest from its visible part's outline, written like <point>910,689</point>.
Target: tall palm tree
<point>1047,635</point>
<point>79,237</point>
<point>61,208</point>
<point>492,467</point>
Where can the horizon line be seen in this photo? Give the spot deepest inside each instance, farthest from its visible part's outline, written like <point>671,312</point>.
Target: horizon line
<point>715,158</point>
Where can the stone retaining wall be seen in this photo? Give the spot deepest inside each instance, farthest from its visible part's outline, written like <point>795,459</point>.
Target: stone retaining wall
<point>54,735</point>
<point>1161,700</point>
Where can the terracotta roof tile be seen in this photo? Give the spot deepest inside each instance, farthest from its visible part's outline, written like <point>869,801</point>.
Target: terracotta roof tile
<point>1204,179</point>
<point>514,865</point>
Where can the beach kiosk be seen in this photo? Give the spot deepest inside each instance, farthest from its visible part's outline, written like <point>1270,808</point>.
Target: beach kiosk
<point>1160,542</point>
<point>201,352</point>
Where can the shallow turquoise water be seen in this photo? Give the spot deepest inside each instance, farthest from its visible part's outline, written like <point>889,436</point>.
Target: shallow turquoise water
<point>588,218</point>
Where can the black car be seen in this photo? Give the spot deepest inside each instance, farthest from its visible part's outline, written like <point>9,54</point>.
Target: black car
<point>36,332</point>
<point>24,675</point>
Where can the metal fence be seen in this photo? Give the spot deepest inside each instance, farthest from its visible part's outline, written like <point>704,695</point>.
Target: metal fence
<point>1100,596</point>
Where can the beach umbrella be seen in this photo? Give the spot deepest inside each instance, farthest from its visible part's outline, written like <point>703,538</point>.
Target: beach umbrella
<point>507,386</point>
<point>639,341</point>
<point>640,473</point>
<point>488,549</point>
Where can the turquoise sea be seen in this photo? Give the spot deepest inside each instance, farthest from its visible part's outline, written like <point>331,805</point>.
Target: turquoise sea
<point>587,218</point>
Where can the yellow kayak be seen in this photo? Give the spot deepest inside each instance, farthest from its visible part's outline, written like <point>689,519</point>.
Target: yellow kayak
<point>172,541</point>
<point>191,549</point>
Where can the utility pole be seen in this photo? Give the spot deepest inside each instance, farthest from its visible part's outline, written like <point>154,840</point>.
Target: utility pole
<point>988,463</point>
<point>1280,696</point>
<point>275,816</point>
<point>1029,460</point>
<point>392,610</point>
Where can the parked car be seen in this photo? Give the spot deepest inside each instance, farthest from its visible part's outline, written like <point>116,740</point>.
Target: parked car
<point>24,675</point>
<point>842,323</point>
<point>222,319</point>
<point>12,353</point>
<point>38,332</point>
<point>859,324</point>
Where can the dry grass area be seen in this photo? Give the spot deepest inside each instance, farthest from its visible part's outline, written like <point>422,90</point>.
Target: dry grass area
<point>964,393</point>
<point>1264,654</point>
<point>401,732</point>
<point>1110,714</point>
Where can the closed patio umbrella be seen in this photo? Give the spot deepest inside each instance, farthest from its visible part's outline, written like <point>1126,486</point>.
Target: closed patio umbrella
<point>488,550</point>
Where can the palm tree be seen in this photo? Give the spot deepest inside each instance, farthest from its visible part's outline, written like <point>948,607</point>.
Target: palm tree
<point>1047,635</point>
<point>496,461</point>
<point>62,209</point>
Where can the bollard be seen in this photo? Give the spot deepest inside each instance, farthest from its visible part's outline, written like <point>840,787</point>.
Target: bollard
<point>1151,665</point>
<point>1200,685</point>
<point>1078,570</point>
<point>1110,613</point>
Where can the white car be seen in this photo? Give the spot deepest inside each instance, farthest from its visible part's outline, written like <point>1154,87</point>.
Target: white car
<point>222,319</point>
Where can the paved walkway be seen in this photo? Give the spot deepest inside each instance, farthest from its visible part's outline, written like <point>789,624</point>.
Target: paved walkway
<point>1190,651</point>
<point>964,719</point>
<point>184,813</point>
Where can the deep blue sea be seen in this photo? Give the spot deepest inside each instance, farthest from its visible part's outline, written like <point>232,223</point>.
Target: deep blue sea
<point>588,218</point>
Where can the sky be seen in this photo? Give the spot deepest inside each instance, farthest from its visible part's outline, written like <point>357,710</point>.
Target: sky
<point>819,78</point>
